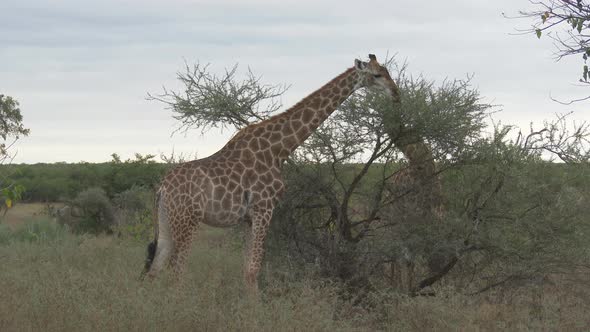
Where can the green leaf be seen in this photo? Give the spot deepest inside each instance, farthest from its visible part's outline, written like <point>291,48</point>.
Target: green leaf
<point>8,202</point>
<point>580,25</point>
<point>538,32</point>
<point>545,16</point>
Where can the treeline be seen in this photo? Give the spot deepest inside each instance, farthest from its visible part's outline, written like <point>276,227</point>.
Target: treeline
<point>61,181</point>
<point>44,182</point>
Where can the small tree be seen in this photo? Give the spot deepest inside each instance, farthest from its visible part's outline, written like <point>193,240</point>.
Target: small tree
<point>342,213</point>
<point>91,212</point>
<point>11,126</point>
<point>211,101</point>
<point>11,129</point>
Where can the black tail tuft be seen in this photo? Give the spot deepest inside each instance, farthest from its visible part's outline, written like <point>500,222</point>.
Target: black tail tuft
<point>151,253</point>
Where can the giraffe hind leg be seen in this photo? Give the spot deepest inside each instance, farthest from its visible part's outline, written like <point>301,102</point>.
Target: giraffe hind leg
<point>183,238</point>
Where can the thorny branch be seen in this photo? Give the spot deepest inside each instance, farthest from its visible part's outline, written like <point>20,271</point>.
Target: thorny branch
<point>210,101</point>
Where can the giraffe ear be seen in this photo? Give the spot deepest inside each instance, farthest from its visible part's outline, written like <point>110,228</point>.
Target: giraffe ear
<point>358,64</point>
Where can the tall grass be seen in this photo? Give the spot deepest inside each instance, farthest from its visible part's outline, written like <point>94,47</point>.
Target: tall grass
<point>65,282</point>
<point>82,283</point>
<point>34,229</point>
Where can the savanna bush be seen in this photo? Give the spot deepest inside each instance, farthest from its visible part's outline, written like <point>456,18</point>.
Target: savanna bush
<point>134,208</point>
<point>90,212</point>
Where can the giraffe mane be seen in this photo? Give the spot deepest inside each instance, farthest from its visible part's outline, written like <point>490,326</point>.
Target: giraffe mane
<point>286,113</point>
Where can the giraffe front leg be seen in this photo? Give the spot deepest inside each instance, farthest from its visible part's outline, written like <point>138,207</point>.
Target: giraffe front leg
<point>255,247</point>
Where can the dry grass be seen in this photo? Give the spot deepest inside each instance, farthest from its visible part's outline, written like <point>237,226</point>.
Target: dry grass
<point>82,283</point>
<point>78,283</point>
<point>22,212</point>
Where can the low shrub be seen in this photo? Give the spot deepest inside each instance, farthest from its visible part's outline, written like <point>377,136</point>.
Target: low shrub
<point>134,217</point>
<point>90,212</point>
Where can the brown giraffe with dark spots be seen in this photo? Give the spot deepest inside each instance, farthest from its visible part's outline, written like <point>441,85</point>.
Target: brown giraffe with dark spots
<point>242,181</point>
<point>417,187</point>
<point>417,194</point>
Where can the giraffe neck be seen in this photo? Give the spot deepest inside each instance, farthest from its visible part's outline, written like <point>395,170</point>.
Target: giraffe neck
<point>420,159</point>
<point>289,129</point>
<point>306,116</point>
<point>422,170</point>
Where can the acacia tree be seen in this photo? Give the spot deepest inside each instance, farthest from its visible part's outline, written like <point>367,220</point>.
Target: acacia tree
<point>337,211</point>
<point>11,129</point>
<point>210,101</point>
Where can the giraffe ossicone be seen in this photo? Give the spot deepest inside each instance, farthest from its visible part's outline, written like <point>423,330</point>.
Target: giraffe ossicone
<point>242,181</point>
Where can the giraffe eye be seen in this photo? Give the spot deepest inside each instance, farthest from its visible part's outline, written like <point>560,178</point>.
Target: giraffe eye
<point>377,75</point>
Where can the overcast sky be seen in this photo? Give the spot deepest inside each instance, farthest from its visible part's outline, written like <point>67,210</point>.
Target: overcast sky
<point>81,70</point>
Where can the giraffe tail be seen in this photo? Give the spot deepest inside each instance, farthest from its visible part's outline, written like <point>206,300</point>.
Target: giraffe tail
<point>152,246</point>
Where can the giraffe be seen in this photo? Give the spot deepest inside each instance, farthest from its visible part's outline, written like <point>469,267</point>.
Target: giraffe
<point>417,198</point>
<point>242,181</point>
<point>418,186</point>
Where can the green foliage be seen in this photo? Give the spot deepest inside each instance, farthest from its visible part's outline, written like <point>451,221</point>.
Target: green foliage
<point>336,209</point>
<point>89,189</point>
<point>565,21</point>
<point>497,213</point>
<point>58,182</point>
<point>93,211</point>
<point>11,194</point>
<point>211,101</point>
<point>11,127</point>
<point>522,217</point>
<point>10,121</point>
<point>142,171</point>
<point>61,181</point>
<point>134,213</point>
<point>448,116</point>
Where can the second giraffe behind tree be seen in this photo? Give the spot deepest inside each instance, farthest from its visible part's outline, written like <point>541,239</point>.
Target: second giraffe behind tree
<point>243,181</point>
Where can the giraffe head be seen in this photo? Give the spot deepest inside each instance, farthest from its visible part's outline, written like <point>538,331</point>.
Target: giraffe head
<point>372,74</point>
